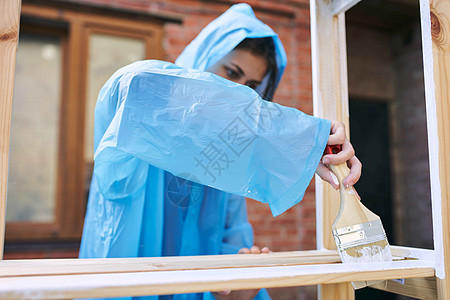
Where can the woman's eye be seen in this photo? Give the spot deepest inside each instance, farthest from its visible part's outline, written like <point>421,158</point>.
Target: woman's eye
<point>252,85</point>
<point>232,74</point>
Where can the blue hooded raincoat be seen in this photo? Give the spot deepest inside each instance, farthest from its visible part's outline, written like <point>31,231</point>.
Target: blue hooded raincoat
<point>155,119</point>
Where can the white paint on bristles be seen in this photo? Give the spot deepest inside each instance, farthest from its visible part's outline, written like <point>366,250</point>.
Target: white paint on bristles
<point>433,138</point>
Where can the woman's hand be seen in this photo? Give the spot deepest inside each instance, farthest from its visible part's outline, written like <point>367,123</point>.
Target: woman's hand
<point>242,294</point>
<point>254,250</point>
<point>337,137</point>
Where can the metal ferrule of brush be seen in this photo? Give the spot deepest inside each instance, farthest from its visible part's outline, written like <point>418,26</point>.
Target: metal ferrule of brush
<point>358,235</point>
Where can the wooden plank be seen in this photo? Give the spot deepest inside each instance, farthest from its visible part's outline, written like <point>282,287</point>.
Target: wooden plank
<point>190,281</point>
<point>330,99</point>
<point>9,35</point>
<point>420,288</point>
<point>337,291</point>
<point>39,267</point>
<point>435,16</point>
<point>71,184</point>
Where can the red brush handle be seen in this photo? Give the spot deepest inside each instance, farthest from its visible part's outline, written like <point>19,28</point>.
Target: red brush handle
<point>332,149</point>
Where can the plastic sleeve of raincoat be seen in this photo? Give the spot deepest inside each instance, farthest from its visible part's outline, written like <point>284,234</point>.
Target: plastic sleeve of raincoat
<point>238,232</point>
<point>216,132</point>
<point>122,179</point>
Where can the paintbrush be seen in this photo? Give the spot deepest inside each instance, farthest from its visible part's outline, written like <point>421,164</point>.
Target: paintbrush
<point>358,232</point>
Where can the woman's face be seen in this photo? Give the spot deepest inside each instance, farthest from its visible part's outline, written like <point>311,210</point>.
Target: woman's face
<point>241,66</point>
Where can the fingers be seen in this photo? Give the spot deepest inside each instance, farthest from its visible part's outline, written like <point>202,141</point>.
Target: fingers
<point>328,176</point>
<point>346,154</point>
<point>224,292</point>
<point>355,167</point>
<point>222,295</point>
<point>244,251</point>
<point>254,250</point>
<point>337,133</point>
<point>265,250</point>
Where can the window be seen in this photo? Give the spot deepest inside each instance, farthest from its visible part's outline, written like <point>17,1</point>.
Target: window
<point>35,120</point>
<point>64,58</point>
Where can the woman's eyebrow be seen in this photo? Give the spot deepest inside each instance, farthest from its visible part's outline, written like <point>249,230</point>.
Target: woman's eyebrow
<point>238,69</point>
<point>256,82</point>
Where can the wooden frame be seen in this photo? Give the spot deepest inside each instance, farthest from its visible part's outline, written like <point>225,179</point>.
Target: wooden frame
<point>51,279</point>
<point>77,278</point>
<point>9,35</point>
<point>436,54</point>
<point>69,218</point>
<point>331,101</point>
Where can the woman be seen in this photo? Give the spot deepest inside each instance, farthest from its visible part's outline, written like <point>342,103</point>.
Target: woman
<point>202,121</point>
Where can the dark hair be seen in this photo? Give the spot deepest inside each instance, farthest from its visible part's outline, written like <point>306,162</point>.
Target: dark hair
<point>264,47</point>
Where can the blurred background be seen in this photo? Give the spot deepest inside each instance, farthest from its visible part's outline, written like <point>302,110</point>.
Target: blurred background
<point>69,48</point>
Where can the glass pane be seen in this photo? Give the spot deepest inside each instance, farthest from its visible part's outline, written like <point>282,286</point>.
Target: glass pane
<point>107,53</point>
<point>34,130</point>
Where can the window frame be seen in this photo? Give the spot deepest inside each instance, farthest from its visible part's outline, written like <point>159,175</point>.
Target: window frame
<point>71,171</point>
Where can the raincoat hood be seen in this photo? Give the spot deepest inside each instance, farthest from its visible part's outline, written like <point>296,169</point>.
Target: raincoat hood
<point>223,34</point>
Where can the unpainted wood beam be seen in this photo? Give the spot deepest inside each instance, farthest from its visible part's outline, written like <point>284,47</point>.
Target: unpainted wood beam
<point>9,36</point>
